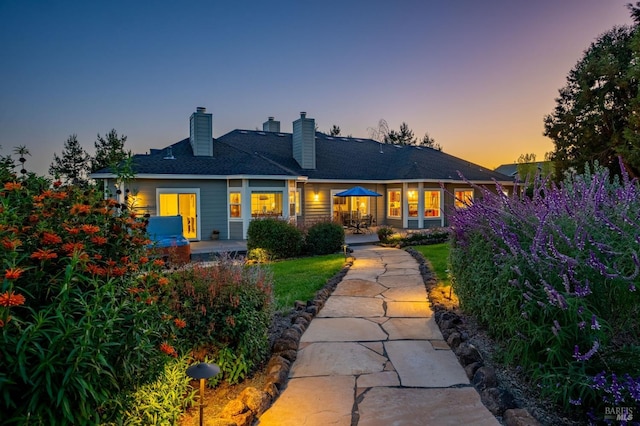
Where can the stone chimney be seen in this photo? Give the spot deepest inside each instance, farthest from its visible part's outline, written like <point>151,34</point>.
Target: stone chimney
<point>271,125</point>
<point>304,141</point>
<point>201,133</point>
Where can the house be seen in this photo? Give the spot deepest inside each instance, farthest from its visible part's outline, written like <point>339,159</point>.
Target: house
<point>223,183</point>
<point>521,172</point>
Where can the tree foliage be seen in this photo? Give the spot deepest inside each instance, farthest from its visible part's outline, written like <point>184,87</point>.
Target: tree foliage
<point>73,166</point>
<point>110,151</point>
<point>596,113</point>
<point>404,136</point>
<point>334,131</point>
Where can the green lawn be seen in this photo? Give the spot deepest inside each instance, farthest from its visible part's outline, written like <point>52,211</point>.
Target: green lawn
<point>438,256</point>
<point>300,279</point>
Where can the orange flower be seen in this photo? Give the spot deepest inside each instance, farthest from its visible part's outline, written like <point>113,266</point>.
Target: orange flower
<point>80,209</point>
<point>98,240</point>
<point>12,186</point>
<point>51,238</point>
<point>13,273</point>
<point>57,184</point>
<point>143,260</point>
<point>43,255</point>
<point>10,298</point>
<point>90,229</point>
<point>72,231</point>
<point>118,271</point>
<point>59,195</point>
<point>158,262</point>
<point>11,244</point>
<point>180,323</point>
<point>97,256</point>
<point>72,247</point>
<point>168,349</point>
<point>94,269</point>
<point>163,281</point>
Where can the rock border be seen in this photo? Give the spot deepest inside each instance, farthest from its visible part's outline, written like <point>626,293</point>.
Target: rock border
<point>251,403</point>
<point>499,401</point>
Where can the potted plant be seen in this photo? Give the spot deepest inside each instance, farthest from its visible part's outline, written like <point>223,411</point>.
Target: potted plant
<point>215,234</point>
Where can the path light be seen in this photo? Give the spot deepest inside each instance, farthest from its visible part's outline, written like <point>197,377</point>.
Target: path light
<point>345,248</point>
<point>201,372</point>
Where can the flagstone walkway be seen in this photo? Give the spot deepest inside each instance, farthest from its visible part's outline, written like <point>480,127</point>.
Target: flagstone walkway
<point>374,356</point>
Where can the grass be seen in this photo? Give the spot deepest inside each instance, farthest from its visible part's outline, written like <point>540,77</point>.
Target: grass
<point>300,279</point>
<point>438,256</point>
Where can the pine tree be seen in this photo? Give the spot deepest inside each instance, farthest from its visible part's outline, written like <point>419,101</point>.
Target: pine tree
<point>110,151</point>
<point>73,166</point>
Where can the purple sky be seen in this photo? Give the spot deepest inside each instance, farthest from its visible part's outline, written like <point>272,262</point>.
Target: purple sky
<point>479,76</point>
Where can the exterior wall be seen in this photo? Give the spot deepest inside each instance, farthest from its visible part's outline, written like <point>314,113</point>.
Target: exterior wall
<point>212,202</point>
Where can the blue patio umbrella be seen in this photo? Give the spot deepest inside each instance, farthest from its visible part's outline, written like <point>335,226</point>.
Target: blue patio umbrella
<point>358,191</point>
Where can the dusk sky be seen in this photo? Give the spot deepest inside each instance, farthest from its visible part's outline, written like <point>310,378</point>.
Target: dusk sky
<point>477,75</point>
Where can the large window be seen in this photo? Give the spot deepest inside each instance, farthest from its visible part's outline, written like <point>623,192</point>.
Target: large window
<point>235,204</point>
<point>431,203</point>
<point>463,198</point>
<point>394,203</point>
<point>266,204</point>
<point>412,201</point>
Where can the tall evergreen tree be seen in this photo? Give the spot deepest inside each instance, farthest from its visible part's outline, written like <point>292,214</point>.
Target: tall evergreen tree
<point>334,131</point>
<point>110,151</point>
<point>430,142</point>
<point>596,114</point>
<point>73,166</point>
<point>402,137</point>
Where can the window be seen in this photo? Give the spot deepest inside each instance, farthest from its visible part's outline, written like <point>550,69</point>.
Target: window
<point>393,203</point>
<point>183,202</point>
<point>431,203</point>
<point>463,198</point>
<point>266,204</point>
<point>412,201</point>
<point>294,202</point>
<point>235,204</point>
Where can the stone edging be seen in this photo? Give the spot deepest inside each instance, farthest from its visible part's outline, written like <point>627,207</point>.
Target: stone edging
<point>483,377</point>
<point>252,402</point>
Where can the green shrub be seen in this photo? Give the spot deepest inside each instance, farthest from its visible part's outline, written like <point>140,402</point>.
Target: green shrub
<point>79,318</point>
<point>427,237</point>
<point>384,232</point>
<point>324,238</point>
<point>278,238</point>
<point>227,308</point>
<point>163,401</point>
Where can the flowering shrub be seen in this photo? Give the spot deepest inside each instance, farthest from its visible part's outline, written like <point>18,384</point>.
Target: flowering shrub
<point>79,318</point>
<point>554,276</point>
<point>228,307</point>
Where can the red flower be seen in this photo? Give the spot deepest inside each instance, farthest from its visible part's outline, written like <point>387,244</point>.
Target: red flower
<point>72,247</point>
<point>168,349</point>
<point>10,298</point>
<point>80,209</point>
<point>13,273</point>
<point>57,184</point>
<point>90,229</point>
<point>94,269</point>
<point>11,244</point>
<point>51,238</point>
<point>98,240</point>
<point>72,231</point>
<point>41,254</point>
<point>12,186</point>
<point>180,323</point>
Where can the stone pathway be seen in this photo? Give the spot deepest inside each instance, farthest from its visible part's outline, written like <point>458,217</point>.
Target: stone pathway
<point>374,356</point>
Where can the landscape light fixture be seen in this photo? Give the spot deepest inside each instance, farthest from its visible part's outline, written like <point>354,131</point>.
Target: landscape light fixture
<point>201,372</point>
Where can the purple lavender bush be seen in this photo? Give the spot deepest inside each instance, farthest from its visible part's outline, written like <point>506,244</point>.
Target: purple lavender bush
<point>554,277</point>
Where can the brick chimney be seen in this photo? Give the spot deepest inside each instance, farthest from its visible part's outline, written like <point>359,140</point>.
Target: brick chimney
<point>304,141</point>
<point>201,133</point>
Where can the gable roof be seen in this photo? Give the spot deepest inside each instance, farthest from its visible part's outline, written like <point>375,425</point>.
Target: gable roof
<point>259,153</point>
